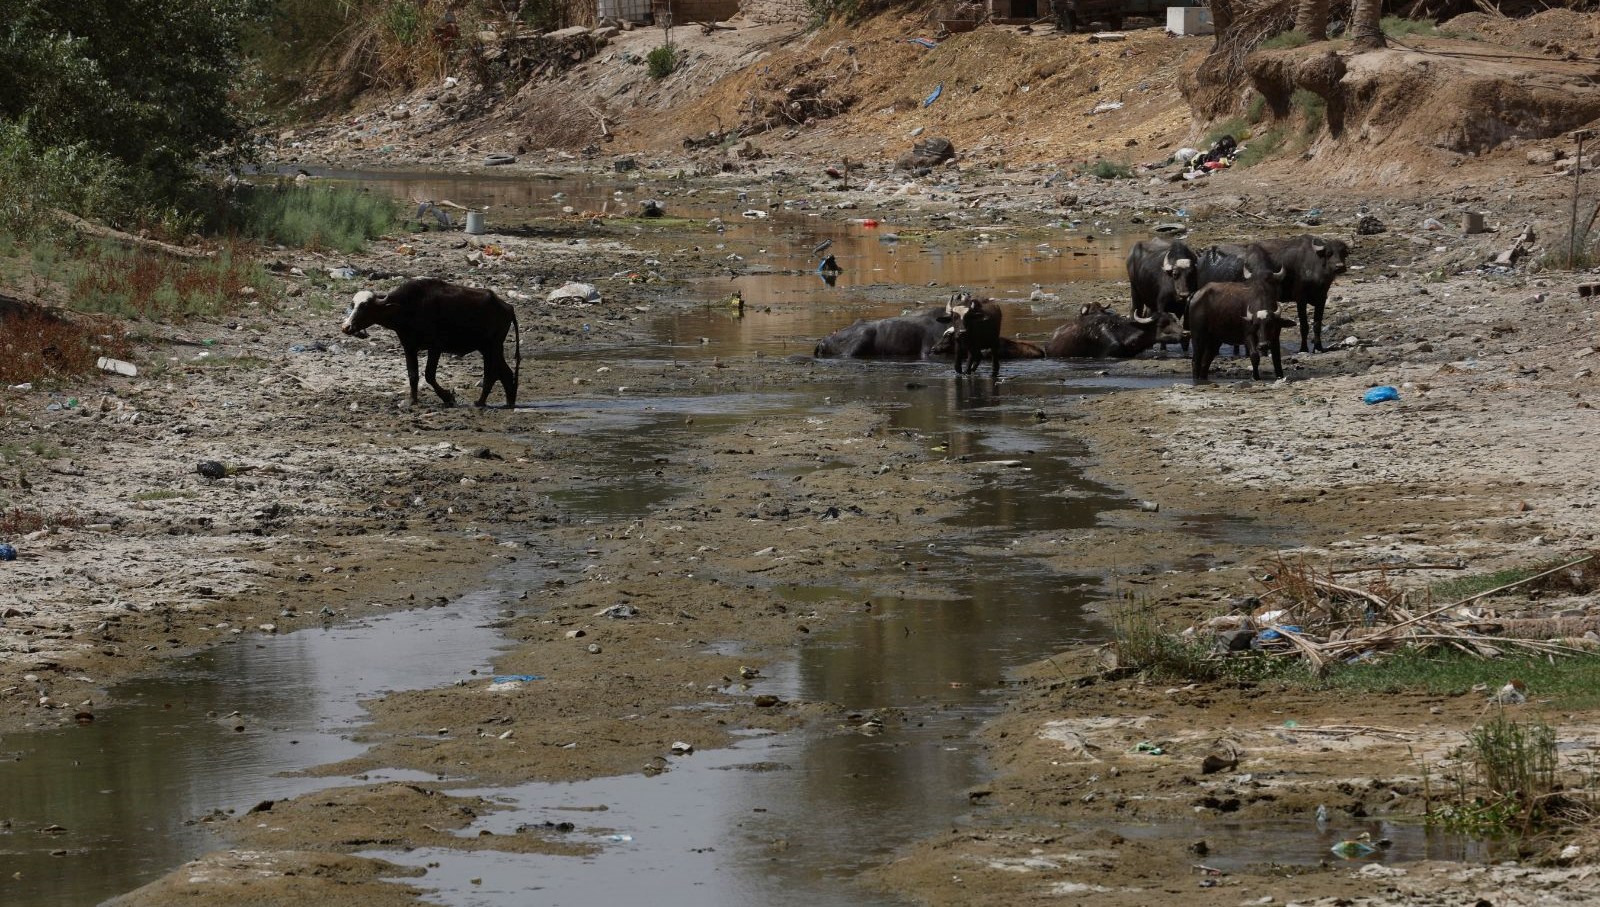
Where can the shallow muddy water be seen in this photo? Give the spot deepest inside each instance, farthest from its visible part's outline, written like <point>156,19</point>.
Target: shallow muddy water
<point>776,819</point>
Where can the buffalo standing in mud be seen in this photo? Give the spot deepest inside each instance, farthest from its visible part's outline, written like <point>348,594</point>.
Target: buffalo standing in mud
<point>1237,313</point>
<point>1311,263</point>
<point>429,314</point>
<point>974,328</point>
<point>1162,276</point>
<point>1099,333</point>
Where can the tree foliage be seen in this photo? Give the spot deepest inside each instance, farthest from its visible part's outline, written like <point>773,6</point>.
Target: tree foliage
<point>147,84</point>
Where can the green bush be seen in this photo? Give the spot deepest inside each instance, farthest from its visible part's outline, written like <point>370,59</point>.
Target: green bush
<point>310,217</point>
<point>1284,40</point>
<point>37,179</point>
<point>1235,127</point>
<point>1257,111</point>
<point>1312,109</point>
<point>1399,27</point>
<point>1107,170</point>
<point>661,62</point>
<point>1260,147</point>
<point>402,20</point>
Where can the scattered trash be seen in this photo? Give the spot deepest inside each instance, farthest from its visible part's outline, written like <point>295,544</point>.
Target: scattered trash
<point>594,648</point>
<point>1273,634</point>
<point>829,266</point>
<point>316,346</point>
<point>499,159</point>
<point>682,749</point>
<point>1381,394</point>
<point>8,552</point>
<point>1432,223</point>
<point>755,214</point>
<point>620,839</point>
<point>115,366</point>
<point>822,247</point>
<point>1322,815</point>
<point>933,95</point>
<point>1149,506</point>
<point>475,223</point>
<point>618,612</point>
<point>579,292</point>
<point>1515,692</point>
<point>1106,107</point>
<point>923,42</point>
<point>1149,749</point>
<point>344,272</point>
<point>211,469</point>
<point>1354,849</point>
<point>623,165</point>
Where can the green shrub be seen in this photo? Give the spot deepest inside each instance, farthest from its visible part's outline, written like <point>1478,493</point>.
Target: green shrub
<point>1106,170</point>
<point>661,61</point>
<point>38,179</point>
<point>1398,27</point>
<point>1260,147</point>
<point>402,21</point>
<point>1312,109</point>
<point>1235,127</point>
<point>1284,40</point>
<point>1257,111</point>
<point>338,218</point>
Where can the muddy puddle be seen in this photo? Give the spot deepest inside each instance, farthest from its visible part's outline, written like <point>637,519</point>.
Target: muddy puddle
<point>776,819</point>
<point>221,730</point>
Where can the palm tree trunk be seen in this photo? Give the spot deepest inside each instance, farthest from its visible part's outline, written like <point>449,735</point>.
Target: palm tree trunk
<point>1311,19</point>
<point>1221,18</point>
<point>1365,32</point>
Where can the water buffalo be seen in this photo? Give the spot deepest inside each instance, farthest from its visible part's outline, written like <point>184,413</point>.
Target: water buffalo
<point>1099,333</point>
<point>974,327</point>
<point>1162,277</point>
<point>1311,263</point>
<point>1225,263</point>
<point>429,314</point>
<point>1237,313</point>
<point>1010,348</point>
<point>913,336</point>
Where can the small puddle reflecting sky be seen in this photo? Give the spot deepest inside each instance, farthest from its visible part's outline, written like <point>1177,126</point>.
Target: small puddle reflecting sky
<point>708,831</point>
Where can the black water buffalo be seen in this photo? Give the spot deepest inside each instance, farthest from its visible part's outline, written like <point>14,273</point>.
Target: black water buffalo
<point>1099,333</point>
<point>1162,277</point>
<point>429,314</point>
<point>1225,263</point>
<point>913,336</point>
<point>1311,263</point>
<point>1010,348</point>
<point>1237,313</point>
<point>974,328</point>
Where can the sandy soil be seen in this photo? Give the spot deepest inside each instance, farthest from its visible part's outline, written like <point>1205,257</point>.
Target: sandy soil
<point>342,498</point>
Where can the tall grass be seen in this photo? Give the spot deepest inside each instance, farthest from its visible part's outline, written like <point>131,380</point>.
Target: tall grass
<point>1107,170</point>
<point>38,346</point>
<point>108,279</point>
<point>335,218</point>
<point>1400,27</point>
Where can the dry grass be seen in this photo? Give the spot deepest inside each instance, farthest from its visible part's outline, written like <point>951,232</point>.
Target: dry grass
<point>20,521</point>
<point>41,345</point>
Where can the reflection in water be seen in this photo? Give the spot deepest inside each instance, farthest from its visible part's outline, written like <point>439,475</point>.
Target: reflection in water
<point>127,787</point>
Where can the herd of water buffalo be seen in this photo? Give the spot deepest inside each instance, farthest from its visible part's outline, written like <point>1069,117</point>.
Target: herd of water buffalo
<point>1225,294</point>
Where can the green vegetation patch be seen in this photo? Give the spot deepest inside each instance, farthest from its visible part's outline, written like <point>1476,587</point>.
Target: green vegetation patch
<point>1106,170</point>
<point>1398,27</point>
<point>1285,40</point>
<point>336,218</point>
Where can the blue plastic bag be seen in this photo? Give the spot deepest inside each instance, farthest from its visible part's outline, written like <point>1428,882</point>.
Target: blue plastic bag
<point>7,553</point>
<point>934,96</point>
<point>1381,394</point>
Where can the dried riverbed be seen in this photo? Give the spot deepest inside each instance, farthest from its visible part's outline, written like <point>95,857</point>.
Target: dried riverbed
<point>757,514</point>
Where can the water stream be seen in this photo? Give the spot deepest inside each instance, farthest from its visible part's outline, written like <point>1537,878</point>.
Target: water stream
<point>776,819</point>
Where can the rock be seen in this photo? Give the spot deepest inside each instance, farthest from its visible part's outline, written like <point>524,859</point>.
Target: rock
<point>211,469</point>
<point>1542,156</point>
<point>1369,226</point>
<point>926,153</point>
<point>576,292</point>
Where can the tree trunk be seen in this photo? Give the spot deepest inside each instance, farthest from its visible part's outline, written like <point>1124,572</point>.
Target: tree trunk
<point>1221,18</point>
<point>1311,19</point>
<point>1365,32</point>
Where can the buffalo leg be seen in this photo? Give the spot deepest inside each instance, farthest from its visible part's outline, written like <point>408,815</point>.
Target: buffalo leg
<point>496,371</point>
<point>433,369</point>
<point>411,372</point>
<point>1200,365</point>
<point>994,352</point>
<point>1277,357</point>
<point>1318,302</point>
<point>1253,347</point>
